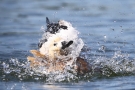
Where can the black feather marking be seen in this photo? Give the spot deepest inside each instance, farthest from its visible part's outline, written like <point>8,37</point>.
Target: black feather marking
<point>64,45</point>
<point>63,27</point>
<point>47,21</point>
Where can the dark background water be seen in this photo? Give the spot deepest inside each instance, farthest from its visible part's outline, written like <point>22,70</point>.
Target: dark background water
<point>105,26</point>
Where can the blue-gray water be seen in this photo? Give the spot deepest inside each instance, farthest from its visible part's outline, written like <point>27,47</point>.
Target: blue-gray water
<point>106,26</point>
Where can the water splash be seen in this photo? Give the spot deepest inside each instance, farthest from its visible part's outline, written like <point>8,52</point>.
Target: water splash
<point>16,70</point>
<point>118,65</point>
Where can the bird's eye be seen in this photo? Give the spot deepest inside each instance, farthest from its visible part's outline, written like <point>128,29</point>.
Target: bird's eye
<point>55,44</point>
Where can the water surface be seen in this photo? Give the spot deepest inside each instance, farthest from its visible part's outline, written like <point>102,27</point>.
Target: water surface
<point>106,27</point>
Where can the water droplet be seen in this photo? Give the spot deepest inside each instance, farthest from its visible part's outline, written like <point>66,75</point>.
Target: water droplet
<point>122,31</point>
<point>42,28</point>
<point>113,29</point>
<point>102,48</point>
<point>104,36</point>
<point>19,76</point>
<point>98,43</point>
<point>36,78</point>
